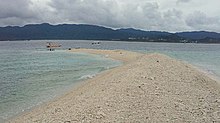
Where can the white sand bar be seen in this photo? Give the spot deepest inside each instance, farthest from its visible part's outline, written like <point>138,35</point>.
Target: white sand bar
<point>150,88</point>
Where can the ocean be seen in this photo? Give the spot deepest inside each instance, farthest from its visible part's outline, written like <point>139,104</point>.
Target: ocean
<point>203,56</point>
<point>31,75</point>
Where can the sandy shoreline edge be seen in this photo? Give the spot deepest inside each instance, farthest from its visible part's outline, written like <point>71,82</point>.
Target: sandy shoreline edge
<point>147,88</point>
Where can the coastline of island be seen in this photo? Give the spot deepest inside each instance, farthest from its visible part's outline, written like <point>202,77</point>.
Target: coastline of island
<point>146,88</point>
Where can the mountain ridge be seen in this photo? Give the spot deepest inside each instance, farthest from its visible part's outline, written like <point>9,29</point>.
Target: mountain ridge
<point>46,31</point>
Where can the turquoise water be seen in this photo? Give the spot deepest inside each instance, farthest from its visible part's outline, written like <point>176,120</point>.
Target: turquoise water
<point>209,61</point>
<point>29,77</point>
<point>204,56</point>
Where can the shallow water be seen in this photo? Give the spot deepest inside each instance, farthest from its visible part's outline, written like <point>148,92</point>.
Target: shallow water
<point>30,75</point>
<point>205,56</point>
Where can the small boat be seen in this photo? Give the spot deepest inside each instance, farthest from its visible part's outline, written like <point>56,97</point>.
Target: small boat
<point>52,45</point>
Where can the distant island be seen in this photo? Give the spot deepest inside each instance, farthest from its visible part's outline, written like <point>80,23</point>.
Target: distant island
<point>46,31</point>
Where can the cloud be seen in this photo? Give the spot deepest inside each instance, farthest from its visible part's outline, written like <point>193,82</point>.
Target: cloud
<point>144,14</point>
<point>89,11</point>
<point>17,12</point>
<point>13,13</point>
<point>173,19</point>
<point>199,21</point>
<point>183,1</point>
<point>10,9</point>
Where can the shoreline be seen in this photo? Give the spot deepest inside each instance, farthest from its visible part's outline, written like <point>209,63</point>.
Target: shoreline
<point>201,69</point>
<point>143,85</point>
<point>211,75</point>
<point>104,53</point>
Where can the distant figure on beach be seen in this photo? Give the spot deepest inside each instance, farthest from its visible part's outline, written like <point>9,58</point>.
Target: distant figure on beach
<point>96,43</point>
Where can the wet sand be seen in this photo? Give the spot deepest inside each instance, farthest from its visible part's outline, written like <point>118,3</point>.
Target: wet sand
<point>147,88</point>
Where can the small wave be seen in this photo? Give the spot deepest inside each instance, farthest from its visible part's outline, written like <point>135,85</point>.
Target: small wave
<point>88,76</point>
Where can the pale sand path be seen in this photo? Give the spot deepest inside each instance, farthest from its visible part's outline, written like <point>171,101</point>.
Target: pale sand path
<point>122,55</point>
<point>150,88</point>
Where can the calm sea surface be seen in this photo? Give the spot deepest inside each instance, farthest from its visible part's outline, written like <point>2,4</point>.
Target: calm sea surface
<point>205,56</point>
<point>30,75</point>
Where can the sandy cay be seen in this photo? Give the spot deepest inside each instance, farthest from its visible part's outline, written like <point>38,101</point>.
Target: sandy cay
<point>147,88</point>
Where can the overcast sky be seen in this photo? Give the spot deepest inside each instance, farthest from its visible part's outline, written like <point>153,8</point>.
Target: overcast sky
<point>163,15</point>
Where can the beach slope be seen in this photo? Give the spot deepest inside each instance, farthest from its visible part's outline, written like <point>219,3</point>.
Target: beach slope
<point>147,88</point>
